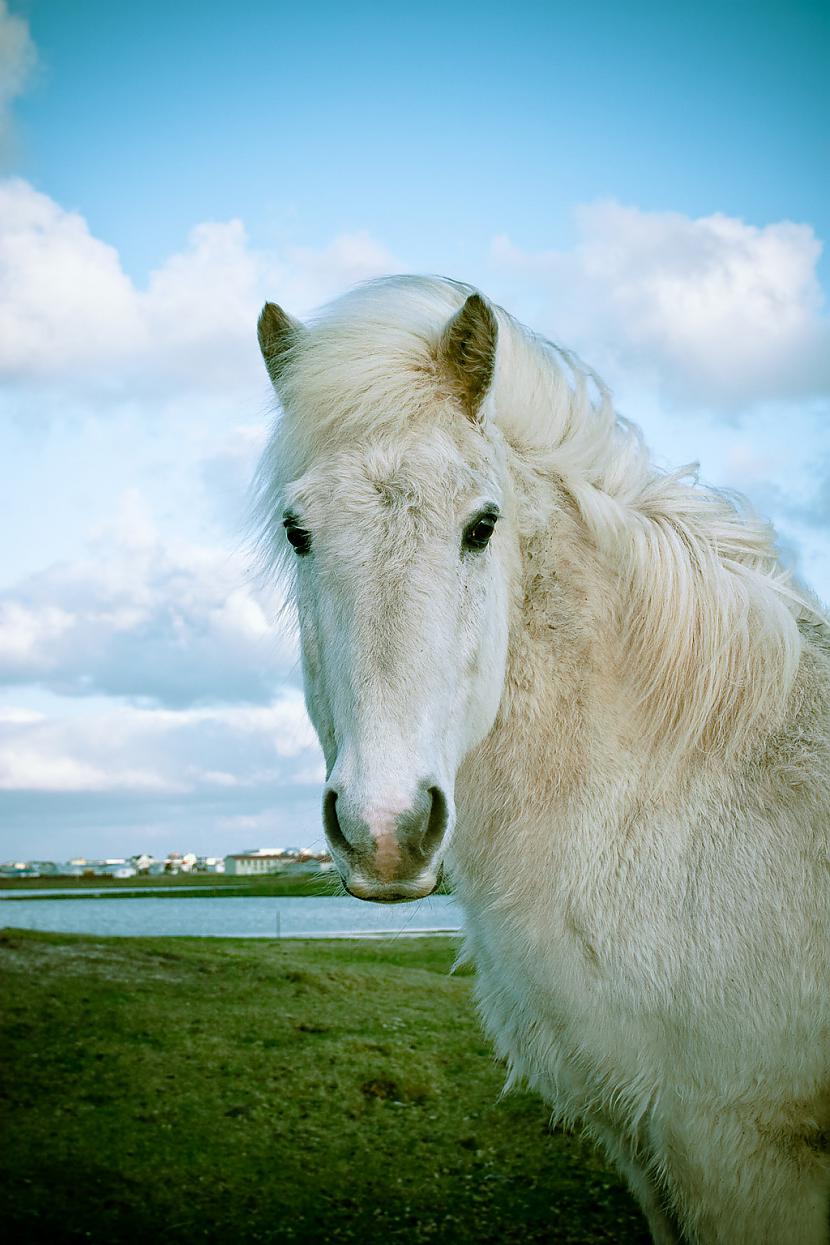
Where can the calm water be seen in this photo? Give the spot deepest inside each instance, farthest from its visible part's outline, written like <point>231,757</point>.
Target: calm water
<point>299,917</point>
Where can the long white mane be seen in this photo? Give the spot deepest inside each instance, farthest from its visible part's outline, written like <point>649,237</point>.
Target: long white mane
<point>708,617</point>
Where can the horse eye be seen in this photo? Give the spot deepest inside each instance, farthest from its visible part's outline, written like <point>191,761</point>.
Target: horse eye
<point>480,530</point>
<point>298,537</point>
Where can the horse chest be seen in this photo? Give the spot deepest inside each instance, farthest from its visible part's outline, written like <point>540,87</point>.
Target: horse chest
<point>563,1019</point>
<point>580,982</point>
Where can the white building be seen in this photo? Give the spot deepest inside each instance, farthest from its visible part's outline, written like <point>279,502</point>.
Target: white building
<point>211,864</point>
<point>259,861</point>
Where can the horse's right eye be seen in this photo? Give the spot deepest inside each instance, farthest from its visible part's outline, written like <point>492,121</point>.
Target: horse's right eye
<point>478,533</point>
<point>298,537</point>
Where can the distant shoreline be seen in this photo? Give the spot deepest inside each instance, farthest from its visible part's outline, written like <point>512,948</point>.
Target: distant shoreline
<point>311,883</point>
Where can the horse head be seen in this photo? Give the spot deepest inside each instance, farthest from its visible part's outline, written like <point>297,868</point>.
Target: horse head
<point>388,490</point>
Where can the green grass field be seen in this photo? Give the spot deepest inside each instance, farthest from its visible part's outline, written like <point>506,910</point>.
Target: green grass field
<point>179,885</point>
<point>230,1091</point>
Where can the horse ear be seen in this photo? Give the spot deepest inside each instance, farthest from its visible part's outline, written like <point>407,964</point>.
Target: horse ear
<point>277,333</point>
<point>467,352</point>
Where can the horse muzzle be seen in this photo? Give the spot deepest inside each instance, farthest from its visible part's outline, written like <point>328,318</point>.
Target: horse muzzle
<point>387,851</point>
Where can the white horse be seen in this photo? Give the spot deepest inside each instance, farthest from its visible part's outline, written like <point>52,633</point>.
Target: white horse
<point>590,689</point>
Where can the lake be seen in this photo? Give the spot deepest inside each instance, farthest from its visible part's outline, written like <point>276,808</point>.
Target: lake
<point>254,917</point>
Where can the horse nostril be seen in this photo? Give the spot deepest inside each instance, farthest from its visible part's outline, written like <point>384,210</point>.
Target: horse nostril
<point>399,844</point>
<point>331,824</point>
<point>436,823</point>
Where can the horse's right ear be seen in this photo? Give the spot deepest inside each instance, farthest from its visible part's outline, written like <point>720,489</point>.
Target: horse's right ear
<point>277,333</point>
<point>467,353</point>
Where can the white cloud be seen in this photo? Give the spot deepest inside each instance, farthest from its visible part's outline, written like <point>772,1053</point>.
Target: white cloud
<point>716,310</point>
<point>17,60</point>
<point>29,769</point>
<point>138,616</point>
<point>65,303</point>
<point>17,714</point>
<point>71,317</point>
<point>160,753</point>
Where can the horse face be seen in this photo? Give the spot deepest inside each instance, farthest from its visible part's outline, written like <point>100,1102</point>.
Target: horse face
<point>402,558</point>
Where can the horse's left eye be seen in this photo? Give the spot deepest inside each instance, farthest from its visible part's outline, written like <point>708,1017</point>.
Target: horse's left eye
<point>298,537</point>
<point>477,535</point>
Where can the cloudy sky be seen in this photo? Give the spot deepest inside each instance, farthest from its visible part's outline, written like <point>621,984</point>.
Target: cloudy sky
<point>646,183</point>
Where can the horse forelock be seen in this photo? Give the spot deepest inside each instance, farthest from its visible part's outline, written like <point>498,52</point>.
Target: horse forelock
<point>706,616</point>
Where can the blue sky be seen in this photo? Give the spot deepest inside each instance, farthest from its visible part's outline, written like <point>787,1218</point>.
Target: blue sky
<point>431,128</point>
<point>648,184</point>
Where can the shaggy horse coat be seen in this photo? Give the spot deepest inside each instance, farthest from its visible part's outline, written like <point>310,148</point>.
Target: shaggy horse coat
<point>588,688</point>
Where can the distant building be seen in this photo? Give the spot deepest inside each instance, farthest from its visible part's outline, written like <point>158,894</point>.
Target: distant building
<point>28,869</point>
<point>19,869</point>
<point>113,868</point>
<point>262,860</point>
<point>178,863</point>
<point>256,861</point>
<point>210,864</point>
<point>80,867</point>
<point>44,867</point>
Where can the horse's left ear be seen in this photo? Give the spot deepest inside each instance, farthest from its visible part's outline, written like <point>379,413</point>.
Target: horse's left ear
<point>277,333</point>
<point>467,353</point>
